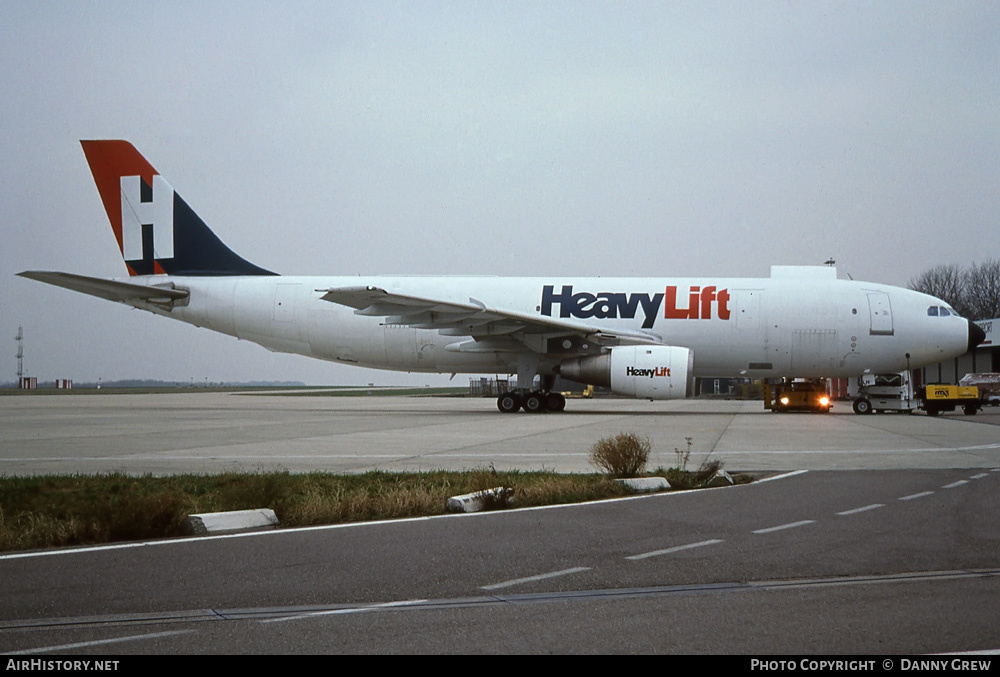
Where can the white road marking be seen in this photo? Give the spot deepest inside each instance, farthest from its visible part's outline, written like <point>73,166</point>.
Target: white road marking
<point>913,496</point>
<point>530,579</point>
<point>955,484</point>
<point>99,642</point>
<point>913,450</point>
<point>678,548</point>
<point>791,525</point>
<point>782,476</point>
<point>351,610</point>
<point>873,506</point>
<point>980,476</point>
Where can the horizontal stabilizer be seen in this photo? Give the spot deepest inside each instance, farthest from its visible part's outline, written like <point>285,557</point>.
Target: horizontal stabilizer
<point>123,292</point>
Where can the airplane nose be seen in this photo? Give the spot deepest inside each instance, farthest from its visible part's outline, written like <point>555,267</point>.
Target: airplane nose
<point>976,335</point>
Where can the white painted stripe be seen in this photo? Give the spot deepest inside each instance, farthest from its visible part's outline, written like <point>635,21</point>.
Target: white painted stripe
<point>530,579</point>
<point>980,476</point>
<point>984,652</point>
<point>459,454</point>
<point>678,548</point>
<point>782,476</point>
<point>791,525</point>
<point>916,450</point>
<point>99,642</point>
<point>873,506</point>
<point>351,610</point>
<point>913,496</point>
<point>955,484</point>
<point>279,457</point>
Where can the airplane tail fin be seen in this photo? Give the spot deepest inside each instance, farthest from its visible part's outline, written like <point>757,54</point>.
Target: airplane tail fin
<point>157,232</point>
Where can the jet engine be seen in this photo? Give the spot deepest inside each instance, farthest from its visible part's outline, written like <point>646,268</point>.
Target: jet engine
<point>650,372</point>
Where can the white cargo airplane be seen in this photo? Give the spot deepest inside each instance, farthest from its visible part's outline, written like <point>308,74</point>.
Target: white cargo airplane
<point>642,337</point>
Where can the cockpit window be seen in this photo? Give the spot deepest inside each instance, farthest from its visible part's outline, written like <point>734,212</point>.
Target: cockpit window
<point>932,311</point>
<point>944,312</point>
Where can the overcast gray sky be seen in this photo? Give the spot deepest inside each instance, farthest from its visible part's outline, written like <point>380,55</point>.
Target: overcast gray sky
<point>507,138</point>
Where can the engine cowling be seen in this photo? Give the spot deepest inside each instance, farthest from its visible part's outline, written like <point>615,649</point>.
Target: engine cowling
<point>650,372</point>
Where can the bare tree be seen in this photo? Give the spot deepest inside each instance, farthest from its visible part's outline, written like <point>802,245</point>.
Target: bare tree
<point>973,292</point>
<point>982,290</point>
<point>947,282</point>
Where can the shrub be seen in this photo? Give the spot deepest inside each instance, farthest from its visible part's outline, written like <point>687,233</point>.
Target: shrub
<point>624,455</point>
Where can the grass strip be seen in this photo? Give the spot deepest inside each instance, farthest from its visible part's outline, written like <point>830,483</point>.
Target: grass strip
<point>63,510</point>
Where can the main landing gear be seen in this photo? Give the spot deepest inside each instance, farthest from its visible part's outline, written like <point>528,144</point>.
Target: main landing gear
<point>533,402</point>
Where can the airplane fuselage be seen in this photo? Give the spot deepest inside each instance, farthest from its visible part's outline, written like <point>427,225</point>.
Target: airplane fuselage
<point>752,327</point>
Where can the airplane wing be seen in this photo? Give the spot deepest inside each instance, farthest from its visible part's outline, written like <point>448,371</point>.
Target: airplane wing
<point>122,292</point>
<point>490,328</point>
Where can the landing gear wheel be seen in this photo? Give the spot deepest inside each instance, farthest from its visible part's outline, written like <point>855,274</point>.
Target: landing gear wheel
<point>533,403</point>
<point>555,402</point>
<point>508,403</point>
<point>862,406</point>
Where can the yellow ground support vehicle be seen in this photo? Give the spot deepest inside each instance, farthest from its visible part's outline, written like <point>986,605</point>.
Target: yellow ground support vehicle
<point>937,397</point>
<point>588,392</point>
<point>798,395</point>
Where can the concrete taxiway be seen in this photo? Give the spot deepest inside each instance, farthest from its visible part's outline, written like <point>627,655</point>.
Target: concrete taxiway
<point>202,432</point>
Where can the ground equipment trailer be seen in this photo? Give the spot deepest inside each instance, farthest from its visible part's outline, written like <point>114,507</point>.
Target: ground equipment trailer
<point>988,384</point>
<point>937,397</point>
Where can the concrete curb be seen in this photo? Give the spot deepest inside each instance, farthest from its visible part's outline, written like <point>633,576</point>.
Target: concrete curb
<point>646,484</point>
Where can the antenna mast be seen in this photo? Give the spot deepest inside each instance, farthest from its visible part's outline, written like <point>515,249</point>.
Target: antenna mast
<point>20,352</point>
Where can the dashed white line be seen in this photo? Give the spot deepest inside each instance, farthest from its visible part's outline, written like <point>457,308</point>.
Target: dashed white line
<point>866,508</point>
<point>919,495</point>
<point>979,476</point>
<point>955,484</point>
<point>530,579</point>
<point>677,548</point>
<point>791,525</point>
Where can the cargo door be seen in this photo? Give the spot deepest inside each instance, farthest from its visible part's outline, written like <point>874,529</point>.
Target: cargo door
<point>880,313</point>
